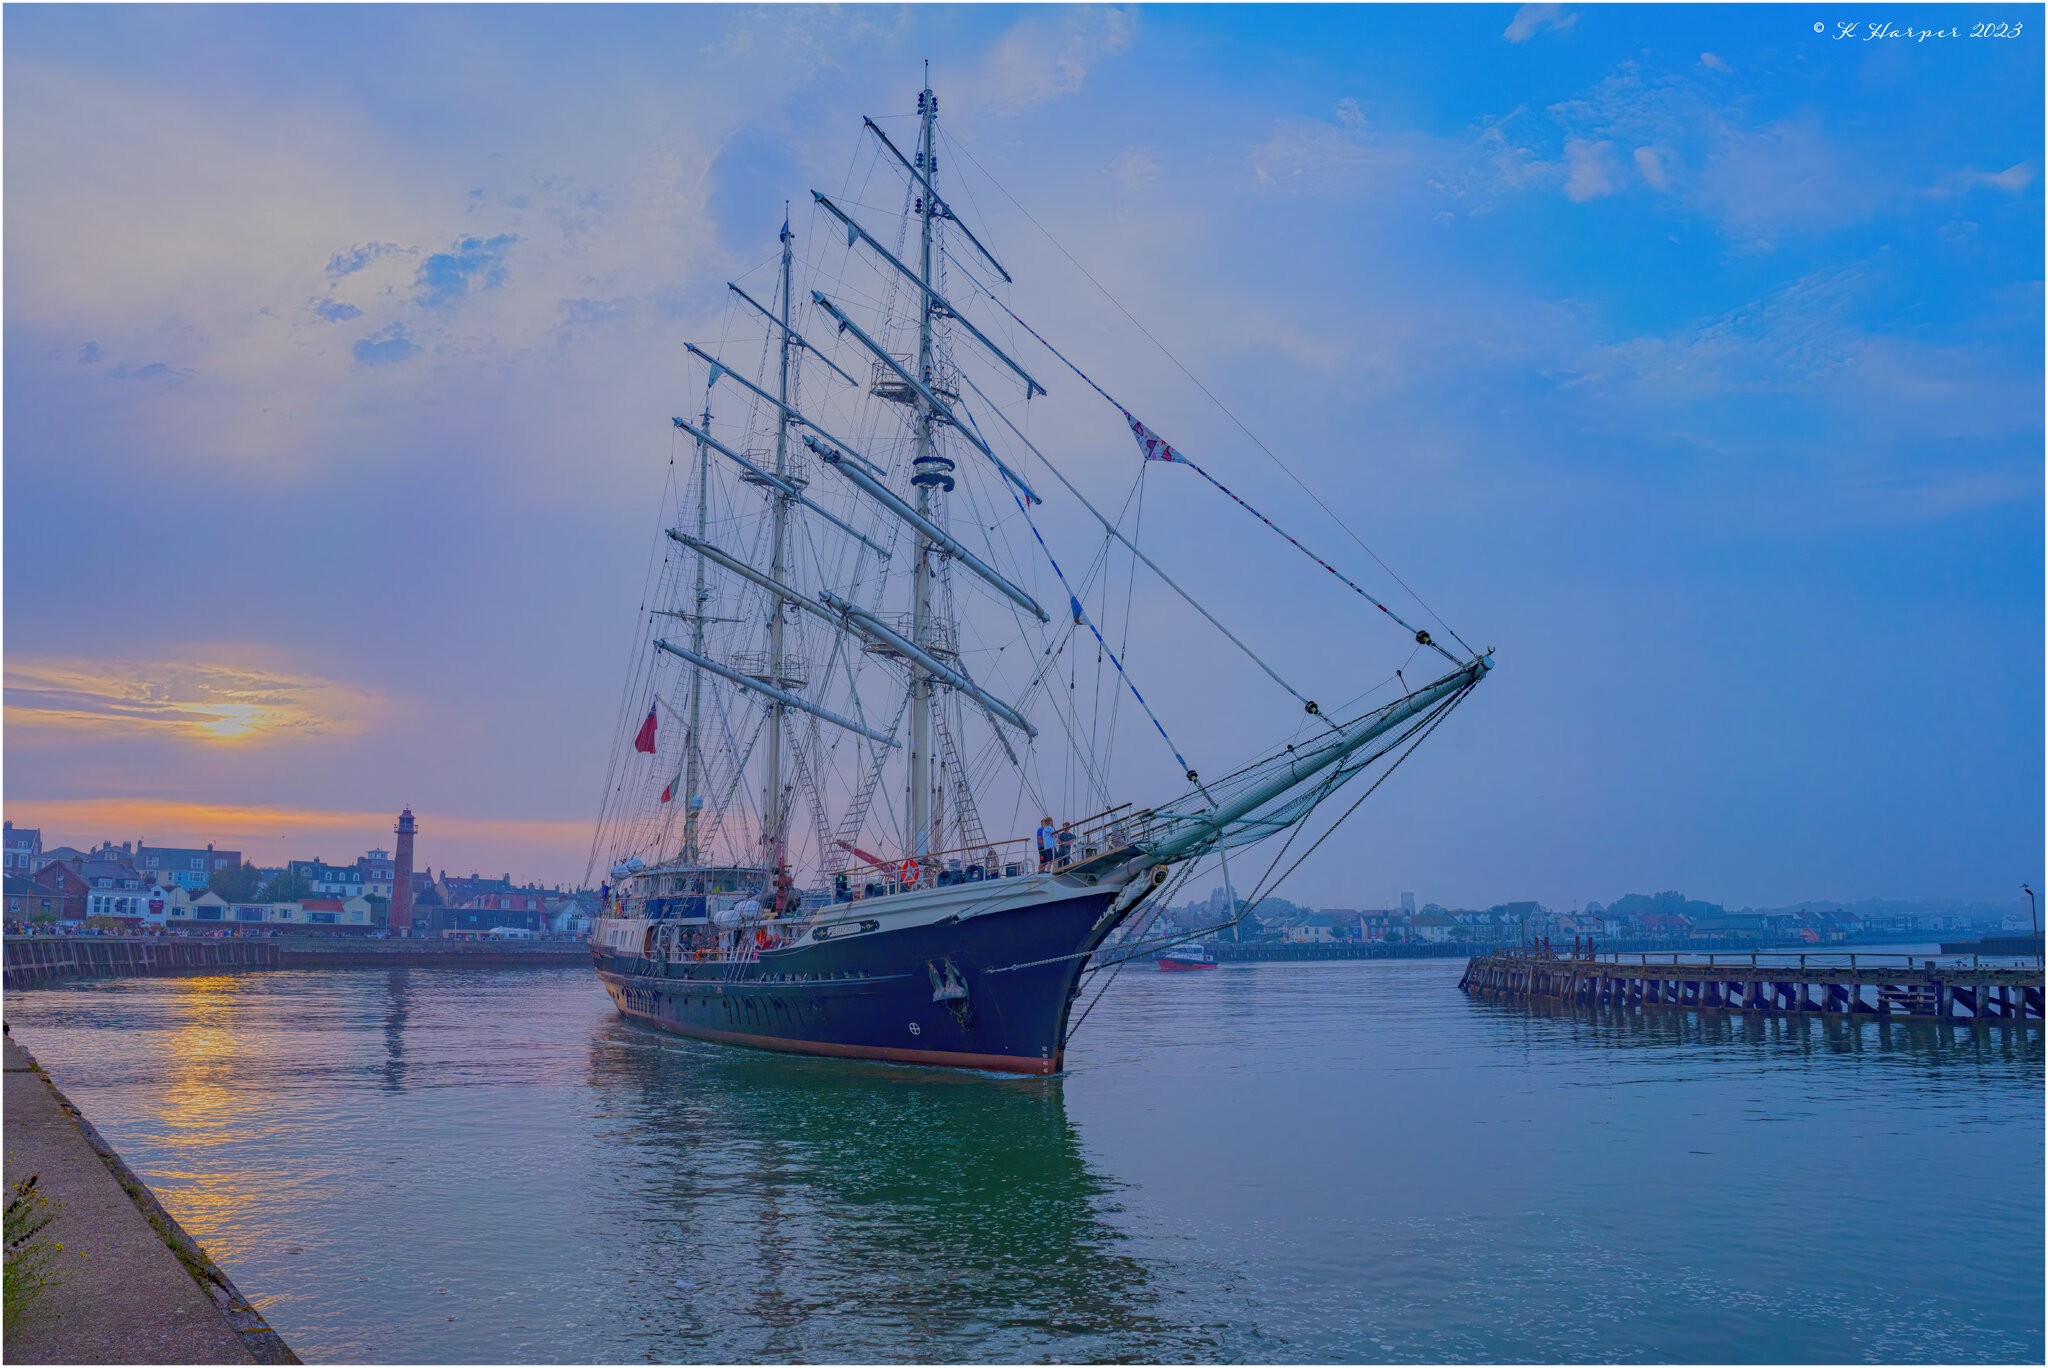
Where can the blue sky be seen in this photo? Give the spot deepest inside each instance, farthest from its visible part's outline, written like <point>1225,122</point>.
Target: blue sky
<point>1690,358</point>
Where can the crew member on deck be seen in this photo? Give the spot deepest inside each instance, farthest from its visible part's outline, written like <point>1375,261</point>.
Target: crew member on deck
<point>1066,845</point>
<point>1046,845</point>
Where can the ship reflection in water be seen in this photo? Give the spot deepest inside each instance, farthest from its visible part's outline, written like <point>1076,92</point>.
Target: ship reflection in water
<point>827,1205</point>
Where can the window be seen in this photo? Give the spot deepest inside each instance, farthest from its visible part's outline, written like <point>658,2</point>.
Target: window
<point>249,914</point>
<point>152,862</point>
<point>206,913</point>
<point>322,918</point>
<point>198,862</point>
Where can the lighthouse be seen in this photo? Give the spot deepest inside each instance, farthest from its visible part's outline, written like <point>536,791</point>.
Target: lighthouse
<point>401,876</point>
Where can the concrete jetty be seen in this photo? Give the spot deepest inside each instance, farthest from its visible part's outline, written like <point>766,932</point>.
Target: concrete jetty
<point>1876,986</point>
<point>130,1285</point>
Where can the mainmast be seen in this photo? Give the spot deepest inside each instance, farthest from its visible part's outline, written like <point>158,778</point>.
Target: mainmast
<point>927,469</point>
<point>692,809</point>
<point>773,819</point>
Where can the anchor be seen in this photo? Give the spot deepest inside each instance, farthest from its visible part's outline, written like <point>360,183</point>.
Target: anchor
<point>949,987</point>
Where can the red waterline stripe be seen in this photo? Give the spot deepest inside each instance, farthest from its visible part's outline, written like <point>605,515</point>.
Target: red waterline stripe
<point>1022,1064</point>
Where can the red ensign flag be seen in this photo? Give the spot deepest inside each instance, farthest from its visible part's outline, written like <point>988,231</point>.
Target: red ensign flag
<point>645,740</point>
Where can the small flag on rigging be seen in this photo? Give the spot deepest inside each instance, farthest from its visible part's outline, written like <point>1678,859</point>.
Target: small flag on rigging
<point>1151,443</point>
<point>645,740</point>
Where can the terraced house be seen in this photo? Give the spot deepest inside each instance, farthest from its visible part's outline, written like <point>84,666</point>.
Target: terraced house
<point>176,866</point>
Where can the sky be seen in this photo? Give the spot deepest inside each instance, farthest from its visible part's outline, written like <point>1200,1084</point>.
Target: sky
<point>1687,356</point>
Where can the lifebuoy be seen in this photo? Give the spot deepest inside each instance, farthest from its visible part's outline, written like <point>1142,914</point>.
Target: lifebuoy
<point>761,939</point>
<point>909,871</point>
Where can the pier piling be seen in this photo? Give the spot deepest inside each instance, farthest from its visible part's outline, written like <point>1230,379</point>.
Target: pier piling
<point>1874,986</point>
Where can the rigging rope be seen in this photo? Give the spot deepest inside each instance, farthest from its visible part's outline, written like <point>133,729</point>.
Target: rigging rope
<point>1081,618</point>
<point>1271,455</point>
<point>1412,738</point>
<point>1157,449</point>
<point>1150,564</point>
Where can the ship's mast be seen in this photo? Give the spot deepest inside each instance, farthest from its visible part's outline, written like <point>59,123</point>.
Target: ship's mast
<point>692,739</point>
<point>918,817</point>
<point>772,815</point>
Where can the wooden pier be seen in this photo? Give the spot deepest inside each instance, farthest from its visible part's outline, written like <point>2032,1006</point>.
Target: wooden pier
<point>1847,984</point>
<point>35,960</point>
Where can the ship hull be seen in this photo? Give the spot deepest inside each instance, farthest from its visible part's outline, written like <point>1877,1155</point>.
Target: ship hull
<point>976,988</point>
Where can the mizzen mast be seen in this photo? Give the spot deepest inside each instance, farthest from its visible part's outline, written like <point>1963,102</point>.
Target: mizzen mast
<point>693,804</point>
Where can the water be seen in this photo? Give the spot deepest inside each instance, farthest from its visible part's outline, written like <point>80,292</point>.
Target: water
<point>1280,1162</point>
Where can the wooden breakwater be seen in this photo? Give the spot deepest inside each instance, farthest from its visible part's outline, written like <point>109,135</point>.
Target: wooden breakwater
<point>32,961</point>
<point>1876,986</point>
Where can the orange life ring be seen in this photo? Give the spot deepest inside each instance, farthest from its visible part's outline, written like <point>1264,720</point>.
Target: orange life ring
<point>910,872</point>
<point>761,939</point>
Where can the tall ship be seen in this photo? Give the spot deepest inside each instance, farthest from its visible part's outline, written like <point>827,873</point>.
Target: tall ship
<point>871,581</point>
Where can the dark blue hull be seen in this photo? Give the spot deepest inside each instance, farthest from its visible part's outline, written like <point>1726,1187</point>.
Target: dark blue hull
<point>981,992</point>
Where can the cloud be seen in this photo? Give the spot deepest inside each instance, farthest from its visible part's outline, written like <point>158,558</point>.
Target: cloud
<point>1310,157</point>
<point>272,834</point>
<point>445,277</point>
<point>89,353</point>
<point>1530,20</point>
<point>1652,167</point>
<point>176,700</point>
<point>388,345</point>
<point>1049,54</point>
<point>154,371</point>
<point>1758,181</point>
<point>586,314</point>
<point>1134,170</point>
<point>335,312</point>
<point>347,263</point>
<point>1590,169</point>
<point>1788,176</point>
<point>2012,180</point>
<point>1351,115</point>
<point>1804,370</point>
<point>1713,63</point>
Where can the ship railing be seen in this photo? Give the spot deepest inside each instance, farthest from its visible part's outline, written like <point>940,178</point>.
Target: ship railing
<point>1100,838</point>
<point>976,864</point>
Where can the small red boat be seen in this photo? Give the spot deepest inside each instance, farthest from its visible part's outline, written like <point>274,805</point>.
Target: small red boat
<point>1180,957</point>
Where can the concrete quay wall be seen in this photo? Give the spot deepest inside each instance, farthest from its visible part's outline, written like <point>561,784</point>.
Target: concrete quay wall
<point>129,1285</point>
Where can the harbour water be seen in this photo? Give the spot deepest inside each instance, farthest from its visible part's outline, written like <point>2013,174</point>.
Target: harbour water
<point>1280,1162</point>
